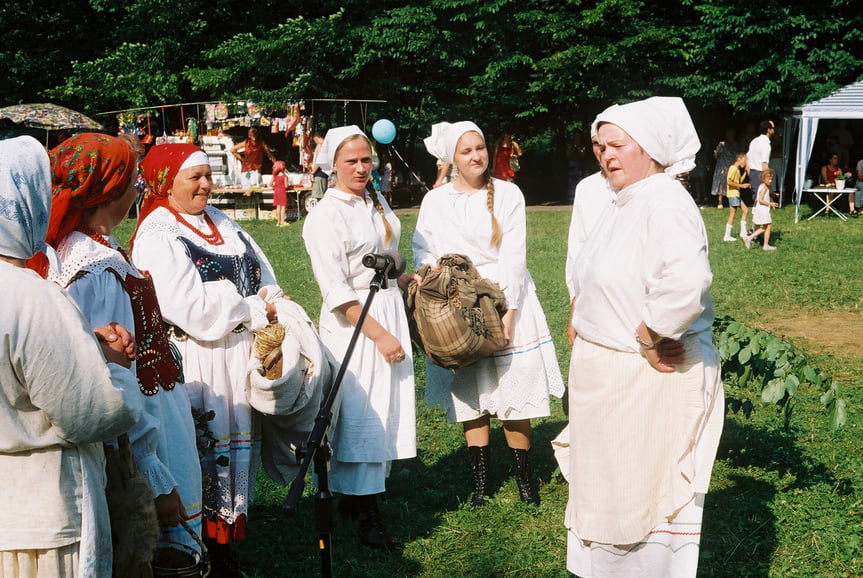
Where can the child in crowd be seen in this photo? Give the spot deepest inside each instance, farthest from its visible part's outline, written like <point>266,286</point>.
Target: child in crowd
<point>736,172</point>
<point>761,212</point>
<point>385,170</point>
<point>280,193</point>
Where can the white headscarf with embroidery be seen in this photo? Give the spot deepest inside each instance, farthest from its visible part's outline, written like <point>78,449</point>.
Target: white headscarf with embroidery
<point>25,197</point>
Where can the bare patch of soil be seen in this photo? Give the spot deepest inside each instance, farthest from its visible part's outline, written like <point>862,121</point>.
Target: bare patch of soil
<point>830,332</point>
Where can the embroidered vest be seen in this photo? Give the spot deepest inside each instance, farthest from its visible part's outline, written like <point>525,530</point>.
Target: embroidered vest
<point>244,271</point>
<point>158,362</point>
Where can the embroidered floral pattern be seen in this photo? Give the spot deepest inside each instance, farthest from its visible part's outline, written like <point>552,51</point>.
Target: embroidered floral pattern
<point>244,271</point>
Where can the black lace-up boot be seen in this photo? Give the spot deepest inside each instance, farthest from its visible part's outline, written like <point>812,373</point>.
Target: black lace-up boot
<point>526,490</point>
<point>480,458</point>
<point>373,533</point>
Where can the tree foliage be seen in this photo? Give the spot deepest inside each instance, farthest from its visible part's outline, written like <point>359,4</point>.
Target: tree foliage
<point>542,67</point>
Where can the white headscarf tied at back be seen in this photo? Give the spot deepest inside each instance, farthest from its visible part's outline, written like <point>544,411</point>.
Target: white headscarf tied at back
<point>661,125</point>
<point>444,138</point>
<point>595,124</point>
<point>334,137</point>
<point>25,197</point>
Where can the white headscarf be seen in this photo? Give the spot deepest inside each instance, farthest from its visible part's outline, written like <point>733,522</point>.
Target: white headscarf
<point>25,197</point>
<point>444,138</point>
<point>195,159</point>
<point>595,124</point>
<point>661,125</point>
<point>326,157</point>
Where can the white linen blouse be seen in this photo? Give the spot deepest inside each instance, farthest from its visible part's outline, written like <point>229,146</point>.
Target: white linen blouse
<point>453,221</point>
<point>593,196</point>
<point>58,398</point>
<point>337,249</point>
<point>647,261</point>
<point>207,311</point>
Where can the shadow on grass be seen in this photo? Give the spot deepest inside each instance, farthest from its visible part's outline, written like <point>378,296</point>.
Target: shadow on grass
<point>426,505</point>
<point>739,534</point>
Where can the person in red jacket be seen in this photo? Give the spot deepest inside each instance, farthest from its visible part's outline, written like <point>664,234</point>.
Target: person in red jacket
<point>252,158</point>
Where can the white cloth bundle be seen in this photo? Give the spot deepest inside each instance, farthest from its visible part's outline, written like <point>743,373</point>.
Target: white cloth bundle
<point>290,403</point>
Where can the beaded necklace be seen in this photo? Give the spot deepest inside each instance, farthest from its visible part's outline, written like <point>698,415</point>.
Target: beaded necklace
<point>213,238</point>
<point>99,238</point>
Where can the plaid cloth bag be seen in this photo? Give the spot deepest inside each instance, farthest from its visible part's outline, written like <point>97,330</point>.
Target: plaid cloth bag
<point>455,313</point>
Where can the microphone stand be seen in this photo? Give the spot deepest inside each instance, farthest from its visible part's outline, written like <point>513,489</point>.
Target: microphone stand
<point>317,447</point>
<point>419,181</point>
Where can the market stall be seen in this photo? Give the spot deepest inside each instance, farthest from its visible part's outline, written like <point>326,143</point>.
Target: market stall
<point>216,127</point>
<point>257,202</point>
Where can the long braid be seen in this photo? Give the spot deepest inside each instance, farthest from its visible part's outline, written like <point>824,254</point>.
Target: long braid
<point>489,201</point>
<point>376,201</point>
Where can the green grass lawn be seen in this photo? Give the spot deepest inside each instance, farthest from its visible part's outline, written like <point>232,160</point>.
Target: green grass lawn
<point>783,502</point>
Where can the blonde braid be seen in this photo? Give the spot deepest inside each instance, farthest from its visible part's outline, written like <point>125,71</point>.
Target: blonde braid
<point>489,201</point>
<point>388,230</point>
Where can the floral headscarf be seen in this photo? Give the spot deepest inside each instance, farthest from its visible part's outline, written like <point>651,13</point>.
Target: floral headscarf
<point>89,170</point>
<point>25,197</point>
<point>159,169</point>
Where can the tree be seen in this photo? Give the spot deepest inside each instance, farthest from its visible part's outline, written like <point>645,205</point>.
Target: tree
<point>39,41</point>
<point>783,55</point>
<point>541,68</point>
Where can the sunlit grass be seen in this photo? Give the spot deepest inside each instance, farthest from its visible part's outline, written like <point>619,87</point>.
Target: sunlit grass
<point>783,503</point>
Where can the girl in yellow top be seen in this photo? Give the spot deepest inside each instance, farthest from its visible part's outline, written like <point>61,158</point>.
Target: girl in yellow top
<point>735,182</point>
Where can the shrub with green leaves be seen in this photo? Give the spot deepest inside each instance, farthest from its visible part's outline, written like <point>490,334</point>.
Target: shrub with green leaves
<point>756,363</point>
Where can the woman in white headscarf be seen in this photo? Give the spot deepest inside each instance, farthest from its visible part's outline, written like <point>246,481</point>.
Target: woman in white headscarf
<point>58,399</point>
<point>484,218</point>
<point>377,422</point>
<point>646,399</point>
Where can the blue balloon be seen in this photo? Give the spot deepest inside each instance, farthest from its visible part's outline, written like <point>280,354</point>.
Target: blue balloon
<point>384,131</point>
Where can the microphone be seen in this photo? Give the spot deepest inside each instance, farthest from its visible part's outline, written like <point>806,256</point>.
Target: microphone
<point>390,261</point>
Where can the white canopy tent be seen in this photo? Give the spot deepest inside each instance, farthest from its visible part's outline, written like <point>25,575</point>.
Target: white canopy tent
<point>845,103</point>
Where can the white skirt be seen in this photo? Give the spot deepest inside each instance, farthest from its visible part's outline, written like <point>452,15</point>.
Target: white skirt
<point>669,550</point>
<point>514,383</point>
<point>377,413</point>
<point>59,562</point>
<point>215,375</point>
<point>642,449</point>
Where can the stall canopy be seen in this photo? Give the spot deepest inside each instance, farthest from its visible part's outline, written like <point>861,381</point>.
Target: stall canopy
<point>845,103</point>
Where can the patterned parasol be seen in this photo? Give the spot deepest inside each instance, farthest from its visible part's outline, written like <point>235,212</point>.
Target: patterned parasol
<point>49,116</point>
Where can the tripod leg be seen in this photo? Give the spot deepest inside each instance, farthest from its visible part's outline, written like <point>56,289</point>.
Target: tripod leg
<point>324,508</point>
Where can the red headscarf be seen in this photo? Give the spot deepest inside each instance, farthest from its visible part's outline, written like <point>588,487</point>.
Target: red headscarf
<point>159,169</point>
<point>88,170</point>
